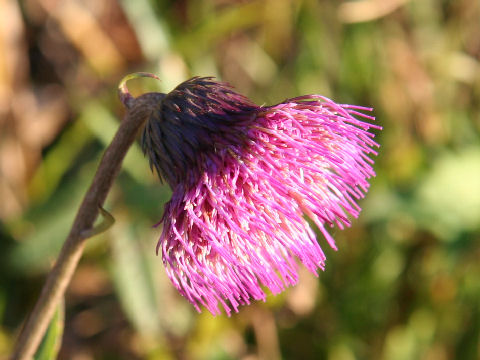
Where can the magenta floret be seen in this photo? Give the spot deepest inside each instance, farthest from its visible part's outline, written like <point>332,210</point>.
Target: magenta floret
<point>235,224</point>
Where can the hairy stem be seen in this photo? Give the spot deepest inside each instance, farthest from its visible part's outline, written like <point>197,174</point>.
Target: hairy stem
<point>61,274</point>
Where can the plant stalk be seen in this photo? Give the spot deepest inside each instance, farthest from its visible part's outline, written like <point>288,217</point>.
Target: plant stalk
<point>138,110</point>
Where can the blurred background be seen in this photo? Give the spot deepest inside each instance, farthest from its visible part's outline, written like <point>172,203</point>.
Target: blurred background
<point>405,283</point>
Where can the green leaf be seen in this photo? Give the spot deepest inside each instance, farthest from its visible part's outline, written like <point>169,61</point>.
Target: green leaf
<point>152,32</point>
<point>448,199</point>
<point>50,345</point>
<point>103,125</point>
<point>58,161</point>
<point>219,25</point>
<point>134,280</point>
<point>44,228</point>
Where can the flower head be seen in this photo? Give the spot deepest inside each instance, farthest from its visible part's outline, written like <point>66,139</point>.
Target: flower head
<point>243,177</point>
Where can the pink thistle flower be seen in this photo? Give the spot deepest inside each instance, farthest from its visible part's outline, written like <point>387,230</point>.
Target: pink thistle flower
<point>243,177</point>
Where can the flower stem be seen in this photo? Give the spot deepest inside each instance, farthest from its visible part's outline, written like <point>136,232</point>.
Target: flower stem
<point>61,274</point>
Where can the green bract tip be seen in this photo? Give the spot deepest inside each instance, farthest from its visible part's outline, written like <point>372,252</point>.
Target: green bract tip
<point>125,96</point>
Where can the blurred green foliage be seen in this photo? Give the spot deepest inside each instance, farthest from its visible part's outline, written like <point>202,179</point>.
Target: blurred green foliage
<point>52,340</point>
<point>405,283</point>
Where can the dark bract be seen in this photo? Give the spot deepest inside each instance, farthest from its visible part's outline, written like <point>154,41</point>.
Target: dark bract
<point>197,117</point>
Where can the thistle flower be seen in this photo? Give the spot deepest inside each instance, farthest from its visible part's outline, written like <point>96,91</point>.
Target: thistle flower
<point>243,178</point>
